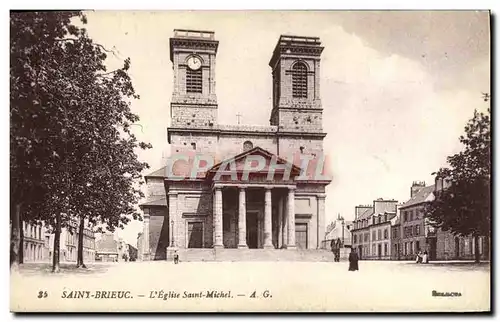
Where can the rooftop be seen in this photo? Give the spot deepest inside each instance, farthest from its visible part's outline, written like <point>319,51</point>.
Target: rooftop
<point>420,197</point>
<point>190,33</point>
<point>365,214</point>
<point>159,202</point>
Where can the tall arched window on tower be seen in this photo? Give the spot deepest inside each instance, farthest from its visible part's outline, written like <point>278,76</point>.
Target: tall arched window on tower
<point>299,80</point>
<point>194,81</point>
<point>247,145</point>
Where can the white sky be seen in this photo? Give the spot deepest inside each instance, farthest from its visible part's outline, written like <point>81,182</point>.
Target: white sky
<point>397,87</point>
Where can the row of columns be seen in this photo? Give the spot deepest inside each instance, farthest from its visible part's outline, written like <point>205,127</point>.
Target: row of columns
<point>242,232</point>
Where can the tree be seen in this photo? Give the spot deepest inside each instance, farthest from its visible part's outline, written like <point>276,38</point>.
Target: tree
<point>83,164</point>
<point>464,206</point>
<point>33,57</point>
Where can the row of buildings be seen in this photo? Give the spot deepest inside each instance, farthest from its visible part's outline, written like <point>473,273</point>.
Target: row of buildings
<point>38,245</point>
<point>398,231</point>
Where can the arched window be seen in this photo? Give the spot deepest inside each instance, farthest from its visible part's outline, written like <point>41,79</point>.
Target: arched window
<point>194,81</point>
<point>299,80</point>
<point>247,145</point>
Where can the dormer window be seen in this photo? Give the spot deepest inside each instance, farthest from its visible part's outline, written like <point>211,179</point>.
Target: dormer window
<point>299,80</point>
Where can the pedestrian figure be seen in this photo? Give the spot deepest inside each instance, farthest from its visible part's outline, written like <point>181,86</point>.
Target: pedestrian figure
<point>419,257</point>
<point>353,260</point>
<point>176,258</point>
<point>425,258</point>
<point>338,245</point>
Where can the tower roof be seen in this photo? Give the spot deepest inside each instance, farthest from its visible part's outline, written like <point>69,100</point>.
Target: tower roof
<point>296,46</point>
<point>193,39</point>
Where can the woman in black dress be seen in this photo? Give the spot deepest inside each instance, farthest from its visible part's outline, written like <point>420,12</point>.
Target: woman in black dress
<point>353,260</point>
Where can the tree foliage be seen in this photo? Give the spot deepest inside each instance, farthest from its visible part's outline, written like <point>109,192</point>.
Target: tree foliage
<point>463,206</point>
<point>73,155</point>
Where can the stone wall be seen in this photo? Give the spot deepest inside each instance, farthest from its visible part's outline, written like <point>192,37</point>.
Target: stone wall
<point>155,189</point>
<point>302,120</point>
<point>193,207</point>
<point>203,143</point>
<point>306,211</point>
<point>232,144</point>
<point>193,116</point>
<point>159,232</point>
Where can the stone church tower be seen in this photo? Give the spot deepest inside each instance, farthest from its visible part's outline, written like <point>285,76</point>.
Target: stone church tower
<point>217,212</point>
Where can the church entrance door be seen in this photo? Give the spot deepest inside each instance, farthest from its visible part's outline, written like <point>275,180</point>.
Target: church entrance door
<point>252,231</point>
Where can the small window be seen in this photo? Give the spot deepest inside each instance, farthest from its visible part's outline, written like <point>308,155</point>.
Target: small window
<point>247,145</point>
<point>386,234</point>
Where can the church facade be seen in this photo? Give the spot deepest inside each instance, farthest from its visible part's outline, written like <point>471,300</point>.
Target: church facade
<point>239,186</point>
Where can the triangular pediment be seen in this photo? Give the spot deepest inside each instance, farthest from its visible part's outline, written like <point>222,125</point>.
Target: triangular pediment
<point>258,160</point>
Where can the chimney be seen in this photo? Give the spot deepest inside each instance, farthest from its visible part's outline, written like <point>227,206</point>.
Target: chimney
<point>416,187</point>
<point>358,210</point>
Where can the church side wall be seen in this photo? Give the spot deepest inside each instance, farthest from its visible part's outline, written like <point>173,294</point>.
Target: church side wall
<point>158,233</point>
<point>155,189</point>
<point>194,207</point>
<point>306,212</point>
<point>183,142</point>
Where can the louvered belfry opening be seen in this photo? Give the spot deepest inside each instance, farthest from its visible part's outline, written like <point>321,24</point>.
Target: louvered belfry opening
<point>194,81</point>
<point>299,80</point>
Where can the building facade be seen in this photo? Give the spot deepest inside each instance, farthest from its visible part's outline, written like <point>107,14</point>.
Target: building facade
<point>396,249</point>
<point>361,231</point>
<point>416,232</point>
<point>338,229</point>
<point>217,207</point>
<point>34,243</point>
<point>69,244</point>
<point>371,233</point>
<point>107,248</point>
<point>380,231</point>
<point>39,243</point>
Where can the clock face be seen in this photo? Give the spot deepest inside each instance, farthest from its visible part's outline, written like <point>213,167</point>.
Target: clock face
<point>194,63</point>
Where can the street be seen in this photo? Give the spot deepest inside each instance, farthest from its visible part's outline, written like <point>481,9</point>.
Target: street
<point>253,286</point>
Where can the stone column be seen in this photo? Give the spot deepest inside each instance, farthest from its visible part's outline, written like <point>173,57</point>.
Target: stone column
<point>218,228</point>
<point>291,218</point>
<point>145,240</point>
<point>172,216</point>
<point>321,219</point>
<point>268,229</point>
<point>280,222</point>
<point>285,221</point>
<point>242,220</point>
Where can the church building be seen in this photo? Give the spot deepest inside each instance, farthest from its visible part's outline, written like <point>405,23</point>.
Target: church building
<point>219,208</point>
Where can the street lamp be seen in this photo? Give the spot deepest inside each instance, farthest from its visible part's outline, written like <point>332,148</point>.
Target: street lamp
<point>343,223</point>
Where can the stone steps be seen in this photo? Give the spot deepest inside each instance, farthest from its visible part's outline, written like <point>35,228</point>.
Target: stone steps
<point>252,255</point>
